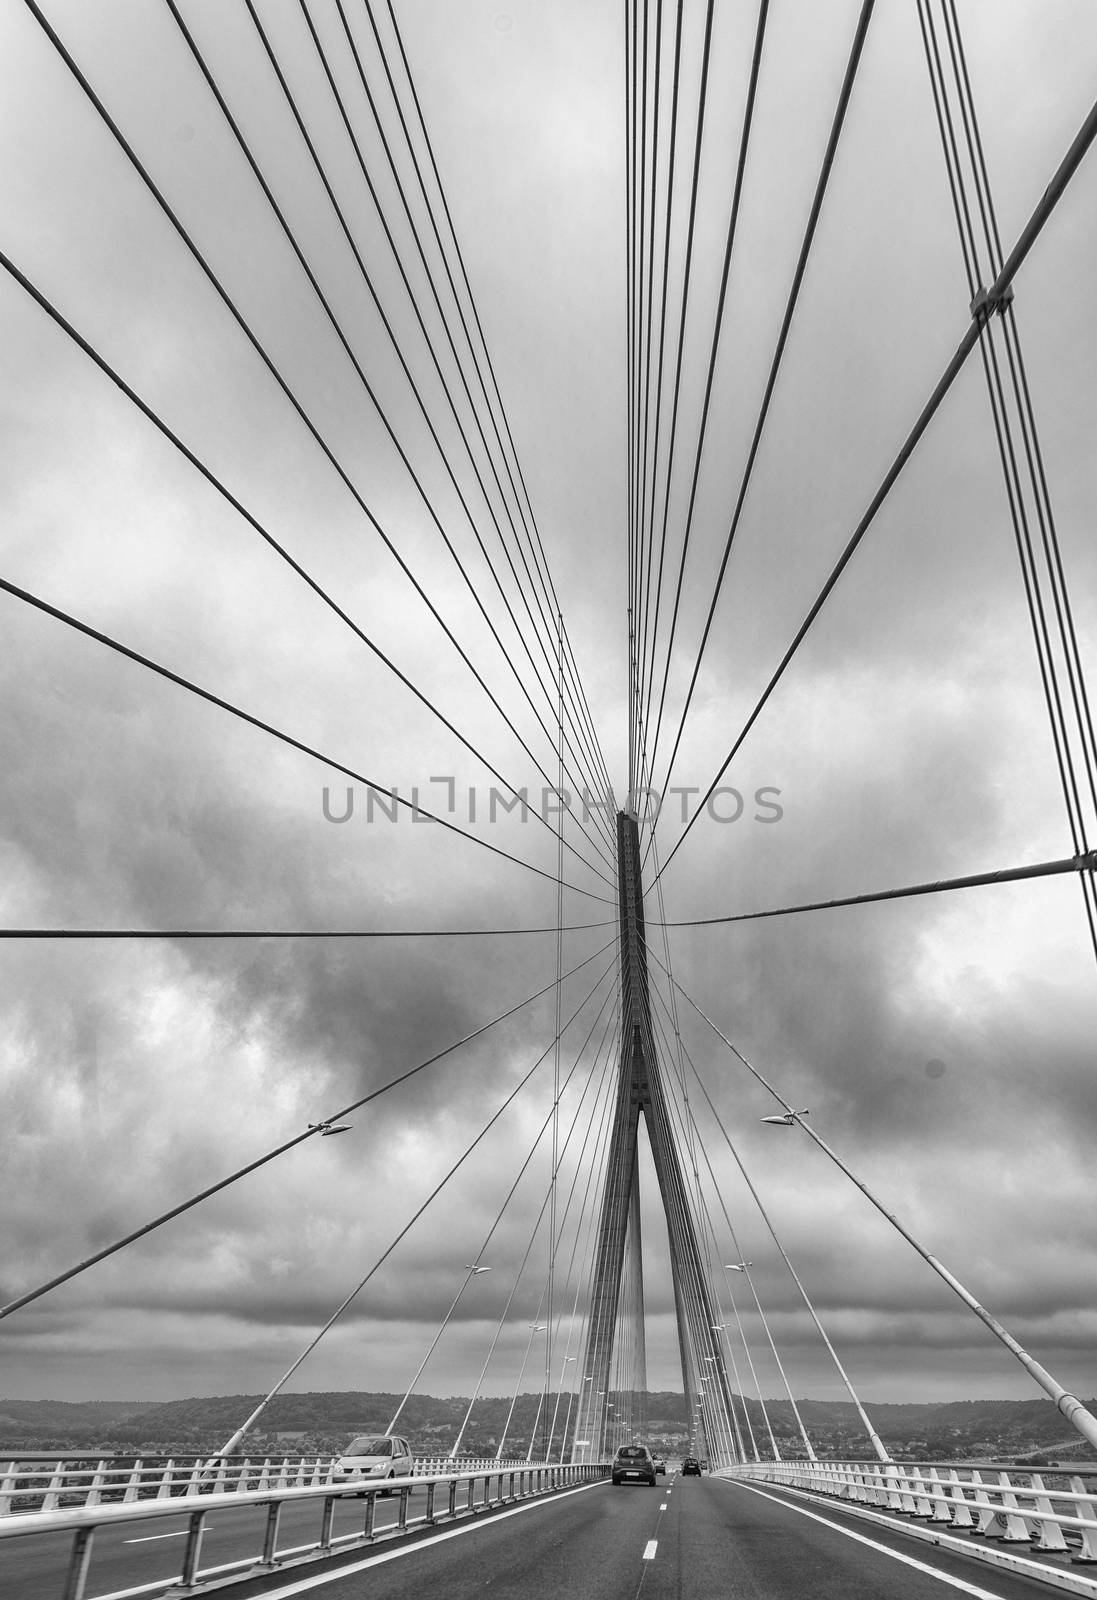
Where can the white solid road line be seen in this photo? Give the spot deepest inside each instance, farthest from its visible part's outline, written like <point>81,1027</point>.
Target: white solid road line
<point>149,1538</point>
<point>302,1585</point>
<point>896,1555</point>
<point>650,1549</point>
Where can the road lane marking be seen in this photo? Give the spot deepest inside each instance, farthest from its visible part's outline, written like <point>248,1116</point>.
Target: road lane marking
<point>332,1576</point>
<point>148,1538</point>
<point>873,1544</point>
<point>650,1549</point>
<point>663,1507</point>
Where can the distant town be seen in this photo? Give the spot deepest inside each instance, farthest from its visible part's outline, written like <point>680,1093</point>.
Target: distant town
<point>1029,1432</point>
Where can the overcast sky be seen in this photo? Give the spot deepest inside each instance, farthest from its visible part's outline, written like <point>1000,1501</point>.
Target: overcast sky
<point>944,1046</point>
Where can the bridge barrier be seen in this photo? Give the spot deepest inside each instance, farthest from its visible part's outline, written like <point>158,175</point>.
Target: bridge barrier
<point>465,1492</point>
<point>1051,1510</point>
<point>36,1483</point>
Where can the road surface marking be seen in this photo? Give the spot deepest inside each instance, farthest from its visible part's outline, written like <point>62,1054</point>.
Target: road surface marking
<point>650,1549</point>
<point>304,1584</point>
<point>896,1555</point>
<point>149,1537</point>
<point>663,1507</point>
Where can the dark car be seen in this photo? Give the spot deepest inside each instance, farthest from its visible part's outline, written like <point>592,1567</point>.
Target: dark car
<point>633,1464</point>
<point>691,1467</point>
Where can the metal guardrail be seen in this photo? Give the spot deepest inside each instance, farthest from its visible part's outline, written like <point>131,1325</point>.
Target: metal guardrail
<point>1045,1509</point>
<point>30,1483</point>
<point>466,1492</point>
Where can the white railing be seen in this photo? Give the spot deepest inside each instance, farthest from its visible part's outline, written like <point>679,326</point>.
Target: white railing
<point>1045,1509</point>
<point>75,1480</point>
<point>464,1493</point>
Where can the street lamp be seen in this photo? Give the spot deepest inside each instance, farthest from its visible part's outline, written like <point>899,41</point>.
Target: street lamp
<point>788,1120</point>
<point>736,1266</point>
<point>470,1273</point>
<point>534,1329</point>
<point>556,1410</point>
<point>472,1270</point>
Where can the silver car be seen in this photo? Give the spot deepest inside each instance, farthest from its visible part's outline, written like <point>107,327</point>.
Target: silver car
<point>372,1456</point>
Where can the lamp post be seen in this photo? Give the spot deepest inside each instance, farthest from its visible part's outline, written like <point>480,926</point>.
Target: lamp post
<point>556,1409</point>
<point>534,1329</point>
<point>584,1416</point>
<point>471,1271</point>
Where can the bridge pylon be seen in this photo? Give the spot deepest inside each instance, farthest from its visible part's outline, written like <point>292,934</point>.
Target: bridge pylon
<point>640,1092</point>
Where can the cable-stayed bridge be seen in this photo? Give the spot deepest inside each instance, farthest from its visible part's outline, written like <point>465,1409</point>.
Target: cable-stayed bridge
<point>262,292</point>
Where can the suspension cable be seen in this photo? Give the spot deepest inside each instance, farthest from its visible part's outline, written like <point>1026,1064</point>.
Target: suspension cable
<point>595,1118</point>
<point>837,124</point>
<point>233,1443</point>
<point>750,1281</point>
<point>994,296</point>
<point>292,933</point>
<point>702,102</point>
<point>548,1122</point>
<point>216,483</point>
<point>367,280</point>
<point>873,1437</point>
<point>1003,430</point>
<point>974,880</point>
<point>356,146</point>
<point>276,733</point>
<point>261,1161</point>
<point>740,172</point>
<point>1066,1403</point>
<point>552,596</point>
<point>352,357</point>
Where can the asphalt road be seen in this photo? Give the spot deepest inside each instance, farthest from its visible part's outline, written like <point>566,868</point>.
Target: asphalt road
<point>142,1558</point>
<point>692,1539</point>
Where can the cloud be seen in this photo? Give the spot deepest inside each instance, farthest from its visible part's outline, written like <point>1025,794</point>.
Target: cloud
<point>943,1044</point>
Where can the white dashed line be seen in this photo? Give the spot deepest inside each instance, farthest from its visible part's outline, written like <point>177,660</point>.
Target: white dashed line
<point>663,1507</point>
<point>650,1549</point>
<point>320,1579</point>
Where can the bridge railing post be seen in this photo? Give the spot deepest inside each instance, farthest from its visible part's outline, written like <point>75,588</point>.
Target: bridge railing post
<point>1016,1526</point>
<point>95,1487</point>
<point>77,1576</point>
<point>133,1487</point>
<point>1049,1533</point>
<point>1088,1551</point>
<point>327,1522</point>
<point>196,1528</point>
<point>270,1535</point>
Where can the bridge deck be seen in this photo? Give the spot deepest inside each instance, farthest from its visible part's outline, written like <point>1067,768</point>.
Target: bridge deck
<point>692,1539</point>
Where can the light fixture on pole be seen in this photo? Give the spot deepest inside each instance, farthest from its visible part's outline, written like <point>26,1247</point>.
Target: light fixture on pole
<point>534,1329</point>
<point>556,1409</point>
<point>470,1273</point>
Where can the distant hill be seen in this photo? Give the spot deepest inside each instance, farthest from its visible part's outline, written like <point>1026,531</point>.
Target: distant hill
<point>66,1413</point>
<point>939,1429</point>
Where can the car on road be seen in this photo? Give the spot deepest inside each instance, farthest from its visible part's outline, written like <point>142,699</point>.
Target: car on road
<point>691,1467</point>
<point>660,1465</point>
<point>633,1463</point>
<point>372,1456</point>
